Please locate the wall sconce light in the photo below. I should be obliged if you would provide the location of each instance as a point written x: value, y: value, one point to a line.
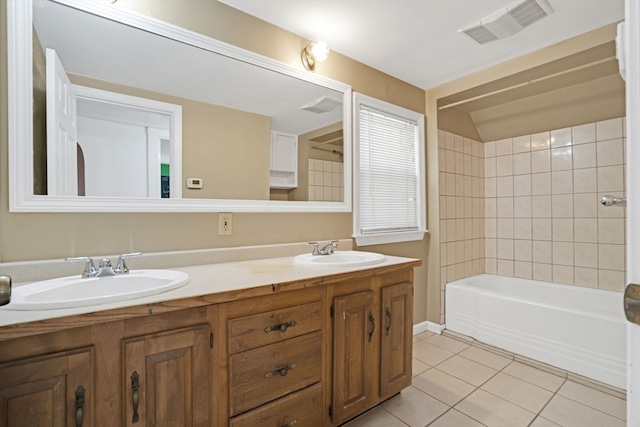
x: 314, y: 53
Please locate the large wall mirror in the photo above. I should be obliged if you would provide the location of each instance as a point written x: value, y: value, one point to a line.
x: 112, y: 111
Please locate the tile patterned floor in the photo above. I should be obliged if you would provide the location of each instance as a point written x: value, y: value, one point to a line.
x: 461, y: 383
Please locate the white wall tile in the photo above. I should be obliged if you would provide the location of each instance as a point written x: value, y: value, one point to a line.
x: 522, y: 185
x: 522, y: 207
x: 561, y: 158
x: 541, y: 206
x: 586, y: 255
x: 504, y: 165
x: 522, y: 144
x: 610, y: 152
x: 562, y: 206
x: 523, y: 269
x: 609, y: 129
x: 504, y: 186
x: 522, y: 228
x: 611, y: 230
x: 490, y: 167
x: 587, y: 277
x: 585, y: 230
x: 523, y: 250
x: 585, y: 205
x: 584, y: 133
x: 490, y: 187
x: 562, y: 274
x: 585, y: 180
x: 561, y: 137
x: 562, y: 253
x: 490, y: 149
x: 562, y: 229
x: 542, y: 272
x: 541, y: 228
x: 522, y: 163
x: 541, y: 161
x: 541, y: 251
x: 504, y: 147
x: 505, y: 249
x: 505, y: 228
x: 505, y: 268
x: 505, y: 207
x: 611, y: 280
x: 584, y: 156
x: 610, y: 178
x: 562, y: 182
x: 611, y: 257
x: 540, y: 141
x: 541, y: 183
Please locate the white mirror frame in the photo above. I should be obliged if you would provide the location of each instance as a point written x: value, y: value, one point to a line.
x: 20, y: 94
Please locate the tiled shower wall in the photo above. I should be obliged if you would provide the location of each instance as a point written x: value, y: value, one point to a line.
x: 461, y: 169
x: 529, y: 206
x: 543, y: 216
x: 325, y: 181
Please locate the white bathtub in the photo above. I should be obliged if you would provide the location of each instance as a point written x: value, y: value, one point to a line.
x: 578, y: 329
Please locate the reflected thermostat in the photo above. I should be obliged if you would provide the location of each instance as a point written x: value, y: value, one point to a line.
x: 195, y: 183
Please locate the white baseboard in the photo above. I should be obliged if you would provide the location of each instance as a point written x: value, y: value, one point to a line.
x: 427, y: 326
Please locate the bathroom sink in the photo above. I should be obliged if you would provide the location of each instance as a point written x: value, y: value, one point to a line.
x: 340, y: 259
x: 75, y: 291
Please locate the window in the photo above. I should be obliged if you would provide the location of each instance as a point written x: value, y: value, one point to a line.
x: 389, y: 195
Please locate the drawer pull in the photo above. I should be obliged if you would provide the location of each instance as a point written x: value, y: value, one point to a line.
x: 280, y: 327
x: 282, y: 371
x: 290, y: 423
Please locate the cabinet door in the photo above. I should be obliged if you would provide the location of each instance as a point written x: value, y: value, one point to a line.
x: 284, y: 152
x: 397, y: 338
x: 354, y: 341
x: 166, y: 378
x: 53, y: 390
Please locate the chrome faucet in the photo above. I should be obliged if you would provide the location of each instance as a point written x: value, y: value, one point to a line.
x: 104, y: 266
x: 328, y: 249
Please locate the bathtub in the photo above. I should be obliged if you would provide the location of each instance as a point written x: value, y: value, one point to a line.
x: 581, y: 330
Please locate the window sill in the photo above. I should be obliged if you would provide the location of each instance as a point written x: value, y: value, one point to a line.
x: 380, y: 239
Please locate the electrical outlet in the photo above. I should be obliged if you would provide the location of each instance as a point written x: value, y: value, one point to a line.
x: 224, y: 224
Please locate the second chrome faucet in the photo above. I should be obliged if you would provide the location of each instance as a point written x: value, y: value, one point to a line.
x: 328, y: 249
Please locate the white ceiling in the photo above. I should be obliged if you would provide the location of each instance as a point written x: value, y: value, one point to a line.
x: 417, y: 40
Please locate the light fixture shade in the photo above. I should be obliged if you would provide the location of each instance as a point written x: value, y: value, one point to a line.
x: 313, y: 53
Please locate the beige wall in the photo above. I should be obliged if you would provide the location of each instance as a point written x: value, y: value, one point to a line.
x: 43, y: 236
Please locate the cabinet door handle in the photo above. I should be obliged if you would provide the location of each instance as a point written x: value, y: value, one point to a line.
x: 135, y: 396
x: 290, y: 423
x: 372, y: 320
x: 80, y: 405
x: 280, y: 326
x: 281, y: 371
x: 387, y: 312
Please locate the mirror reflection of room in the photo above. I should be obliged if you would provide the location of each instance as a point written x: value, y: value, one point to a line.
x: 245, y: 132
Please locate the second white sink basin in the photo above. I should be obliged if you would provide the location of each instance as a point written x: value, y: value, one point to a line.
x: 340, y: 259
x: 75, y: 291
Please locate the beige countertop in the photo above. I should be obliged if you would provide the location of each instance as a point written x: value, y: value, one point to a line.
x: 211, y: 283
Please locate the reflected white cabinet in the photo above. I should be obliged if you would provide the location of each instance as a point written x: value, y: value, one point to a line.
x: 284, y: 161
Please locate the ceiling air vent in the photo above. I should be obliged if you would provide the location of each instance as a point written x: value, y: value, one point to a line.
x: 321, y: 105
x: 508, y: 21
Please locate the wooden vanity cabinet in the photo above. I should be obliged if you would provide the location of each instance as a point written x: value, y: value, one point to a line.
x: 371, y: 335
x: 166, y: 378
x: 275, y: 359
x: 51, y: 390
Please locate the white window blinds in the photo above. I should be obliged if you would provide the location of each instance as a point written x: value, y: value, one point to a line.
x: 389, y: 169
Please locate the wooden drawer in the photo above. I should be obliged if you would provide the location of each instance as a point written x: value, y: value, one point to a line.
x: 300, y: 409
x: 267, y: 373
x: 267, y: 328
